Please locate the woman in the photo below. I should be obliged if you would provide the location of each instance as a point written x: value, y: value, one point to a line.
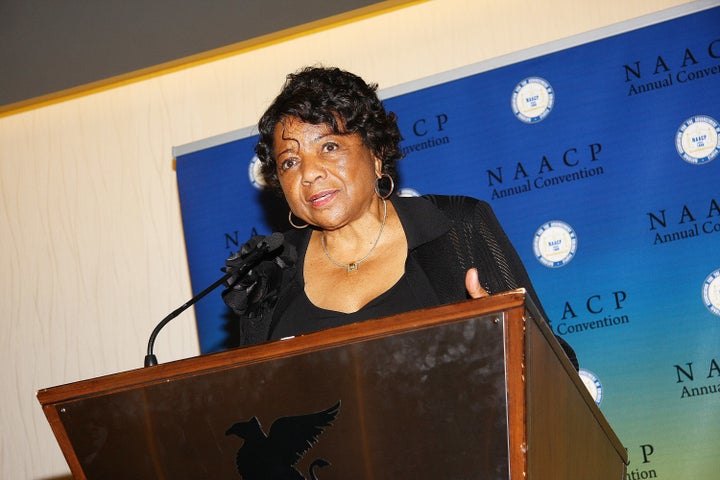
x: 358, y: 251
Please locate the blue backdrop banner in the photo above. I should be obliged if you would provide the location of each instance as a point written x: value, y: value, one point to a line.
x: 599, y: 157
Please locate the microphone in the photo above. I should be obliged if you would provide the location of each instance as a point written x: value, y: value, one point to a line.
x: 266, y: 245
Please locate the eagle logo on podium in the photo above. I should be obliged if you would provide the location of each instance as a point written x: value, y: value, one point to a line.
x: 273, y: 456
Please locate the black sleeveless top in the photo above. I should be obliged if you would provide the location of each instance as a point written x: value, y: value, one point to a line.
x: 302, y: 316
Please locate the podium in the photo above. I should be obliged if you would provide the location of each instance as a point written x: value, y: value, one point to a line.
x: 475, y: 390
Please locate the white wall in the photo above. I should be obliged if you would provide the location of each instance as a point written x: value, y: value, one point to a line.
x: 92, y: 251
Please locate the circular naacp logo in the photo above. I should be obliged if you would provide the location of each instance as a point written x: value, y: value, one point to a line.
x: 532, y: 100
x: 696, y: 140
x: 711, y: 292
x: 593, y: 384
x: 555, y: 244
x: 255, y: 175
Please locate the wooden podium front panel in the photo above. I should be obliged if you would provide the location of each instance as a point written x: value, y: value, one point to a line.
x: 423, y: 404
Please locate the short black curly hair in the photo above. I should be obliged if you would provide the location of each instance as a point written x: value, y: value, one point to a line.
x: 339, y: 99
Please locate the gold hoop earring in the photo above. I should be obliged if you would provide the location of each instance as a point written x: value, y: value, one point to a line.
x: 377, y: 186
x: 299, y: 227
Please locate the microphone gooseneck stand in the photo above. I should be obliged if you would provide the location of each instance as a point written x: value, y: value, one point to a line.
x: 267, y: 245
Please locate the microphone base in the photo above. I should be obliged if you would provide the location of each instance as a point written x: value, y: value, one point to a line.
x: 150, y: 360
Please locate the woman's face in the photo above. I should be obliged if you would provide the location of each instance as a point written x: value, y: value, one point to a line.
x: 328, y: 179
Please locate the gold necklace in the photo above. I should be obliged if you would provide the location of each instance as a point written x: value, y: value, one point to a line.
x: 352, y: 267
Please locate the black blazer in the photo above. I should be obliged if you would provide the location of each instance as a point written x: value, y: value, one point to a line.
x: 447, y: 235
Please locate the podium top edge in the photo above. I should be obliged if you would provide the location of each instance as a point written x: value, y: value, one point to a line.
x: 329, y: 338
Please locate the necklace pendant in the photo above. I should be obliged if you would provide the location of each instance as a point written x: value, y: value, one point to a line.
x: 353, y: 267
